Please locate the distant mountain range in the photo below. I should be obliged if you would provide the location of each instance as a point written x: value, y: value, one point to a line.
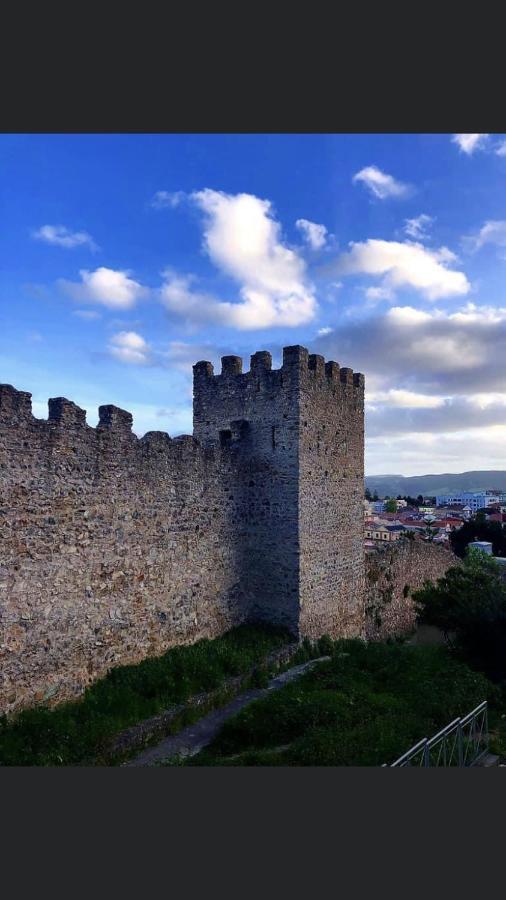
x: 429, y: 485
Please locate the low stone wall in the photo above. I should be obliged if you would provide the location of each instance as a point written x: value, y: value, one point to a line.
x: 393, y: 573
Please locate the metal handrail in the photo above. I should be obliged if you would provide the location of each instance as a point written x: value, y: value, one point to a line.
x: 478, y: 741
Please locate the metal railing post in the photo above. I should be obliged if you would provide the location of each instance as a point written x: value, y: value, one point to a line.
x: 459, y: 743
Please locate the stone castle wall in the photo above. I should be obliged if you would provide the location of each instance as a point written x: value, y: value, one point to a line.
x: 392, y: 574
x: 331, y: 491
x: 114, y: 548
x: 307, y: 421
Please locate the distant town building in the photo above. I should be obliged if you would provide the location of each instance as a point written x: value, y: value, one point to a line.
x: 475, y: 500
x: 381, y: 532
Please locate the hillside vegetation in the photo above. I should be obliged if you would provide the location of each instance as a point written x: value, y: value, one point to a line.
x: 429, y: 485
x: 365, y: 707
x: 80, y: 733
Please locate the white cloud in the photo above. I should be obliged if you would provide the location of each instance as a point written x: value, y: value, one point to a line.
x: 435, y: 395
x: 469, y: 143
x: 414, y: 453
x: 379, y: 293
x: 407, y: 316
x: 314, y: 235
x: 325, y: 330
x: 433, y: 352
x: 479, y: 315
x: 243, y: 240
x: 405, y: 265
x: 417, y: 228
x: 492, y: 232
x: 61, y: 236
x: 404, y: 399
x: 130, y: 347
x: 380, y: 184
x: 501, y: 149
x: 482, y: 401
x: 167, y: 199
x: 108, y: 287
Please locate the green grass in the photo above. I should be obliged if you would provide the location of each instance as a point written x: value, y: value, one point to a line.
x: 80, y: 732
x: 366, y: 706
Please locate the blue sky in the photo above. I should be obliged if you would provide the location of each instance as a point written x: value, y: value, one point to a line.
x: 126, y: 258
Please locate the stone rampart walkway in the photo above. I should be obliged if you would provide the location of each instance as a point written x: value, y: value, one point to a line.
x: 195, y: 737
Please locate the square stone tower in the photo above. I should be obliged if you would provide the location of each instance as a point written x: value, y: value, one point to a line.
x: 299, y: 433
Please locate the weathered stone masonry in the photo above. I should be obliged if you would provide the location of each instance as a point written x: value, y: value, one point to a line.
x: 393, y: 573
x: 113, y: 548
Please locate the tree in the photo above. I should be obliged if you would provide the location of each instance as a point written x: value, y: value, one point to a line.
x: 469, y: 605
x: 429, y: 533
x: 420, y: 499
x: 479, y: 528
x: 375, y: 496
x: 368, y: 494
x: 391, y: 506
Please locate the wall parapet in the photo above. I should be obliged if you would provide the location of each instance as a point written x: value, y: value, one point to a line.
x: 294, y: 357
x: 115, y: 547
x: 393, y: 573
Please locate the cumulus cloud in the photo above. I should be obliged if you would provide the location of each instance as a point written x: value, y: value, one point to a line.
x: 108, y: 287
x: 413, y: 453
x: 177, y: 356
x: 379, y: 293
x: 404, y: 399
x: 405, y: 265
x: 314, y: 235
x: 469, y: 143
x: 492, y: 232
x: 61, y: 236
x: 380, y: 184
x: 435, y: 395
x: 167, y: 199
x: 417, y: 228
x: 436, y: 353
x: 452, y: 415
x: 500, y: 149
x: 130, y: 347
x: 243, y: 240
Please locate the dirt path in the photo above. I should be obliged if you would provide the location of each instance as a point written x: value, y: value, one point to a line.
x: 192, y: 739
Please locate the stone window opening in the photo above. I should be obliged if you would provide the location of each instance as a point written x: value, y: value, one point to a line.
x: 225, y: 437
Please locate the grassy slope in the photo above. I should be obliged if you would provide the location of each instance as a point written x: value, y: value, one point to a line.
x: 367, y: 706
x: 77, y: 733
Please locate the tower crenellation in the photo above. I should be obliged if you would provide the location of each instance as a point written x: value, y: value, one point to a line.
x: 115, y: 547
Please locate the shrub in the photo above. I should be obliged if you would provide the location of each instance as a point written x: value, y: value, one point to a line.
x: 365, y: 706
x: 325, y: 645
x: 80, y: 732
x: 470, y: 603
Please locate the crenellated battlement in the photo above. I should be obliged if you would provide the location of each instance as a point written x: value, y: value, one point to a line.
x: 66, y: 425
x: 115, y: 547
x: 267, y: 397
x: 294, y: 358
